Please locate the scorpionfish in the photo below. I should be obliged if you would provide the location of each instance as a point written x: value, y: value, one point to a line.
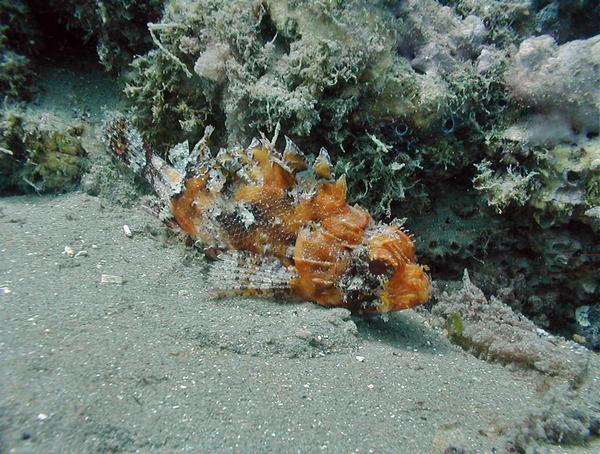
x: 277, y: 224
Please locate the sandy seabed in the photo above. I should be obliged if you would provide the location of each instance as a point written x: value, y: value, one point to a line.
x: 153, y: 364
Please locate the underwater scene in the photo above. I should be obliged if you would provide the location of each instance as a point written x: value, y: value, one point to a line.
x: 300, y: 226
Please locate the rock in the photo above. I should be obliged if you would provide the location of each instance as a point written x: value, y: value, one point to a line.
x: 588, y: 325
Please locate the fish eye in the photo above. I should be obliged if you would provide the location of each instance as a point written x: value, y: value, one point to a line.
x: 380, y: 268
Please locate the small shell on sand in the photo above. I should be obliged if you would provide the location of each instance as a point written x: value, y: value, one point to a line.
x: 111, y: 279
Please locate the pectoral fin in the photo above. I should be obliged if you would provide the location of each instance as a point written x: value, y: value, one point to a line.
x: 248, y: 274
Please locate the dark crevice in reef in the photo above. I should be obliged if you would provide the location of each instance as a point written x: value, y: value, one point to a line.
x: 55, y: 32
x: 61, y: 44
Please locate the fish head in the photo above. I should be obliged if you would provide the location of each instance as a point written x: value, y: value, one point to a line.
x: 384, y: 270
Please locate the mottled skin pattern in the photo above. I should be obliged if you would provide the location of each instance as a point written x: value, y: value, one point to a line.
x: 271, y: 206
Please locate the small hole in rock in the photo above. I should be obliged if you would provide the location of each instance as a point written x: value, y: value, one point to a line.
x: 401, y: 129
x: 419, y: 70
x: 448, y: 126
x: 572, y: 176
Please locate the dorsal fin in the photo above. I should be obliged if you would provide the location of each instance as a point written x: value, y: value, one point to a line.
x: 179, y: 156
x: 229, y: 160
x: 293, y: 156
x: 200, y: 157
x: 270, y: 146
x: 279, y: 176
x: 322, y: 166
x: 334, y: 192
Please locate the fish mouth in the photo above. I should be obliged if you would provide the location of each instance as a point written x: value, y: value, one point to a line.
x: 408, y: 287
x: 392, y: 258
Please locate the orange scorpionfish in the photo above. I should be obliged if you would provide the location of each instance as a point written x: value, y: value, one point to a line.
x: 277, y: 225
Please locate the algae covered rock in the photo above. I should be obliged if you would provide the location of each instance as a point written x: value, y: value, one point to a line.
x: 544, y: 176
x: 395, y: 90
x: 253, y: 64
x: 559, y: 81
x: 490, y: 329
x: 40, y: 156
x: 588, y: 325
x: 570, y: 183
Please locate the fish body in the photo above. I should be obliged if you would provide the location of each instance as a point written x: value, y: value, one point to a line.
x: 278, y: 226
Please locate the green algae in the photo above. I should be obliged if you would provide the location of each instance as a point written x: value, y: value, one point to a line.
x: 39, y: 158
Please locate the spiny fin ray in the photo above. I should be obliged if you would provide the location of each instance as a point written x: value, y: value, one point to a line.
x: 243, y: 273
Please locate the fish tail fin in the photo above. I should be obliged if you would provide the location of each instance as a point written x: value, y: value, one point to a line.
x: 126, y: 143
